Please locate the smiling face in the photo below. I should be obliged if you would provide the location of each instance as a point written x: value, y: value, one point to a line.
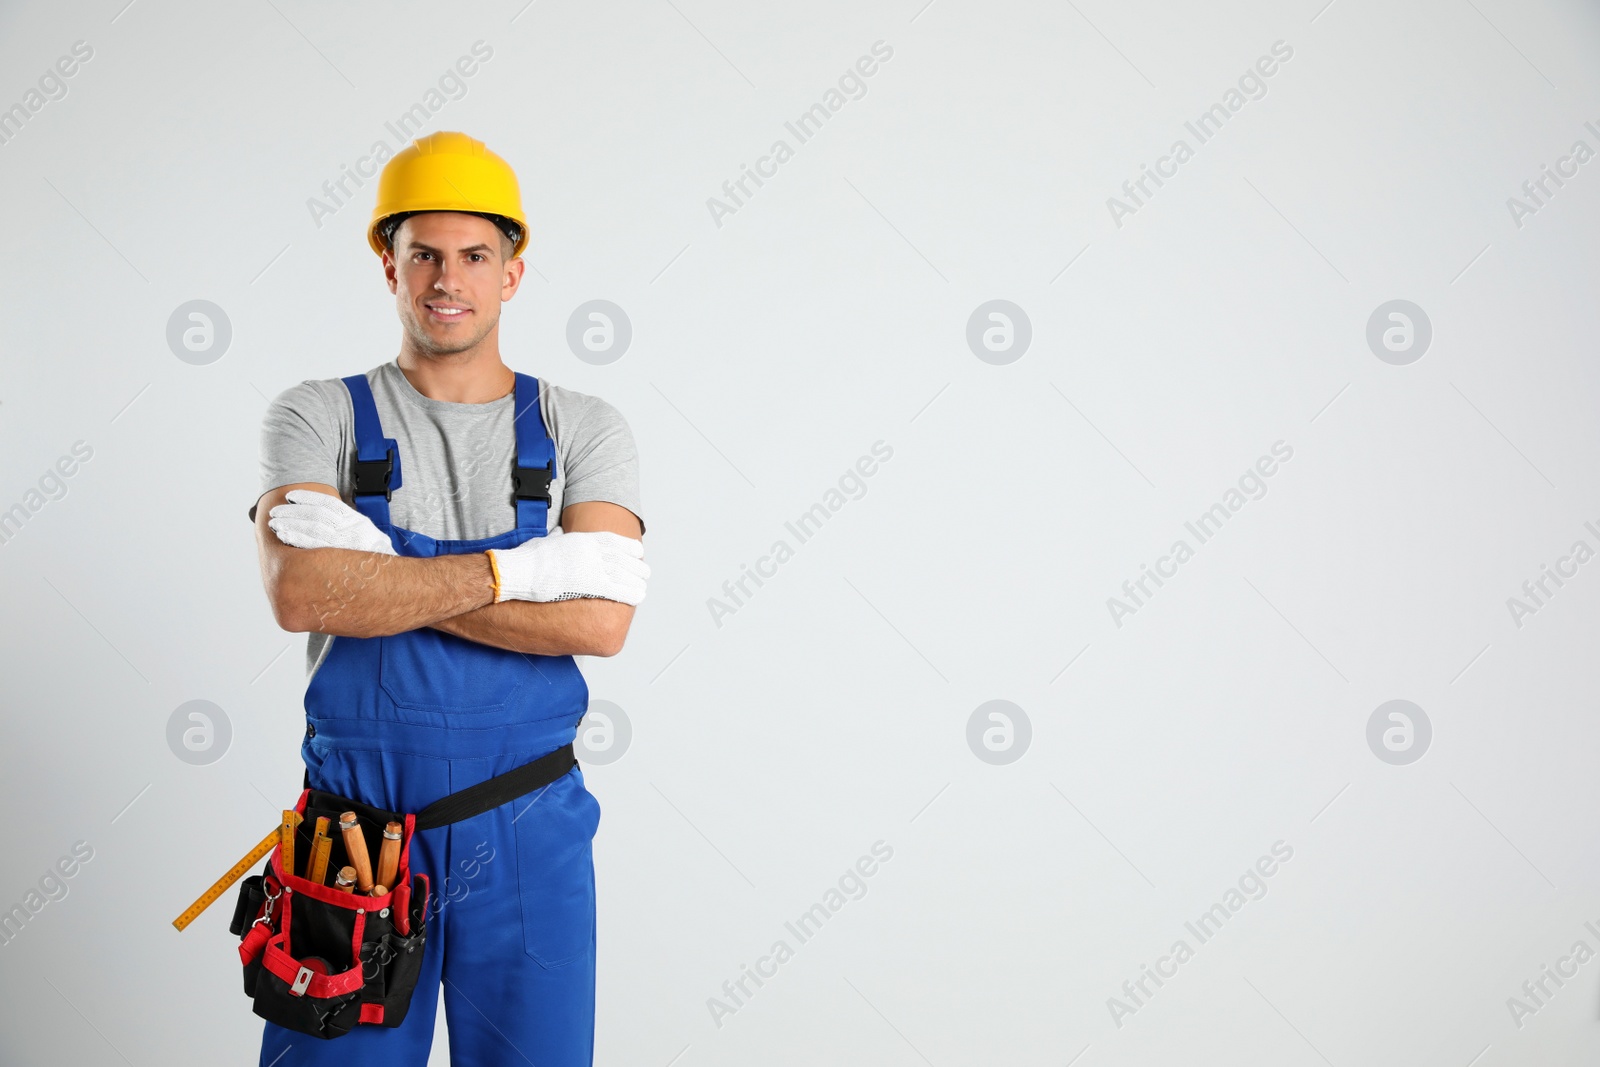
x: 449, y: 273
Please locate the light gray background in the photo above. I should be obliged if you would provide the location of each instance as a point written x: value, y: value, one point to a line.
x: 831, y: 710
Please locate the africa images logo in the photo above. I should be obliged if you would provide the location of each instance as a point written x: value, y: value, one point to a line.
x: 451, y: 85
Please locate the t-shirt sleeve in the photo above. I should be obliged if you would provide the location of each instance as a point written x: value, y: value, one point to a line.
x: 604, y: 463
x: 297, y: 441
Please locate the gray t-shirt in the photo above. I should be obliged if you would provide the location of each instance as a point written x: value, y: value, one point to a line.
x: 455, y: 459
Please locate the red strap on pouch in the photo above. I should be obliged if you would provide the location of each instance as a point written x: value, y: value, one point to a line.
x: 254, y: 942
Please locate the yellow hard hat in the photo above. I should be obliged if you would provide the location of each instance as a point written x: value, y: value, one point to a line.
x: 447, y: 172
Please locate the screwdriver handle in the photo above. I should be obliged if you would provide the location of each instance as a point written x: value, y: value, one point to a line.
x: 355, y: 847
x: 389, y: 854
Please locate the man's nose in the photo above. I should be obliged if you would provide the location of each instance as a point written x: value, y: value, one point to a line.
x: 449, y: 279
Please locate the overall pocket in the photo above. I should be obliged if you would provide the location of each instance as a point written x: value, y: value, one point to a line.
x: 429, y: 670
x: 441, y: 678
x: 555, y: 870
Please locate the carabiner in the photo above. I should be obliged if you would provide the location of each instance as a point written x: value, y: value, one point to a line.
x: 266, y: 911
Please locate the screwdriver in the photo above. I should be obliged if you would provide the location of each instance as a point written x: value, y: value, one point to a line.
x: 389, y: 854
x: 355, y: 847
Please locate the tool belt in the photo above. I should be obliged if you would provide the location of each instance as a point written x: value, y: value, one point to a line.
x: 320, y: 960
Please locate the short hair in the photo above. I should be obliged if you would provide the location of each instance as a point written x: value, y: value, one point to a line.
x: 510, y: 232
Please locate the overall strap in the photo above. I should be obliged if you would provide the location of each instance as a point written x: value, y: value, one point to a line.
x: 536, y: 460
x: 377, y: 463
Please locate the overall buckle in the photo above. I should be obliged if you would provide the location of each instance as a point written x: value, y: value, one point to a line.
x: 531, y: 483
x: 372, y: 475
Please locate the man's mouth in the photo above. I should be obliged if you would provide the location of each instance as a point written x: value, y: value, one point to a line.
x: 447, y: 312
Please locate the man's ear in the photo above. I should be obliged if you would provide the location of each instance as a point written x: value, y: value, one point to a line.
x: 512, y: 279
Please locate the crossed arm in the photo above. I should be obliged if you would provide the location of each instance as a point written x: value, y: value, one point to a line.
x: 368, y: 594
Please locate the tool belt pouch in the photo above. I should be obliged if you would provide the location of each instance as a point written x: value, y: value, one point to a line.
x: 322, y: 961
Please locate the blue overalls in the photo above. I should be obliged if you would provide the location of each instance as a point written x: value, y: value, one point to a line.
x: 398, y: 722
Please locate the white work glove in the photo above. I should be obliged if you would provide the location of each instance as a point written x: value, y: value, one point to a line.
x: 562, y: 566
x: 317, y: 520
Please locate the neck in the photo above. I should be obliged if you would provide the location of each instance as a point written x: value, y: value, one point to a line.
x: 460, y: 378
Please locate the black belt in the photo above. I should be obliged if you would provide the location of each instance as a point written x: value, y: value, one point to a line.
x: 465, y: 803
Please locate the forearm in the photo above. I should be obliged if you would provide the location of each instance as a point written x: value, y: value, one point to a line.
x: 584, y: 626
x: 367, y: 594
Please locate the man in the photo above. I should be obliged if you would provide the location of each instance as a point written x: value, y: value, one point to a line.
x: 443, y: 614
